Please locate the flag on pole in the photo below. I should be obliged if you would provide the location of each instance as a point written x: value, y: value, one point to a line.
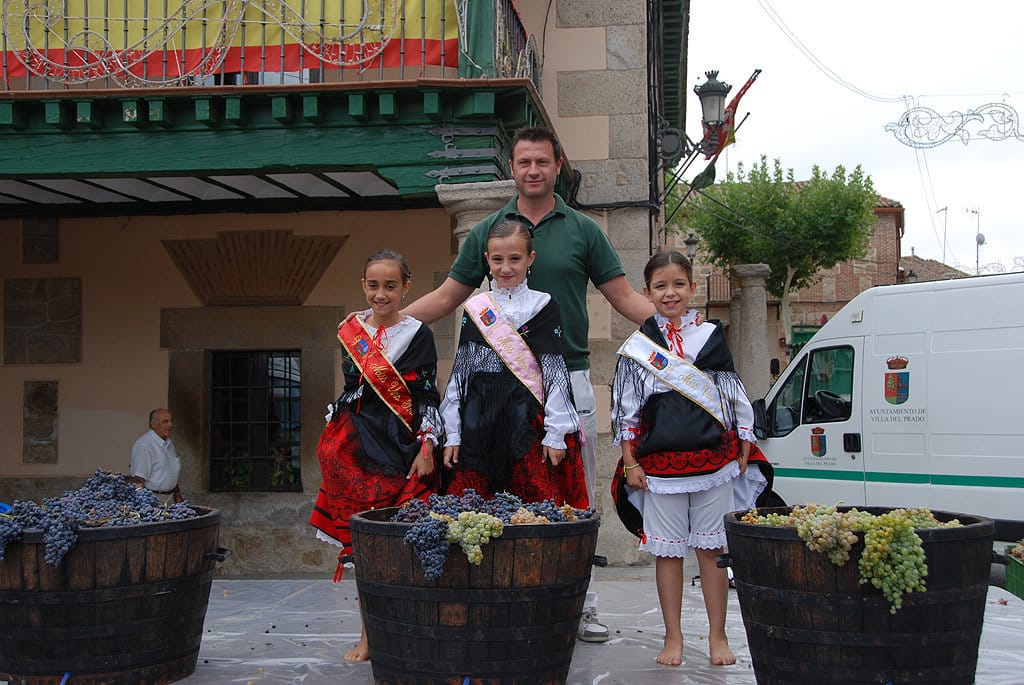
x: 725, y: 134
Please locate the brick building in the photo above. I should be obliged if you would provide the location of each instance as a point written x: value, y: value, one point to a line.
x: 813, y: 305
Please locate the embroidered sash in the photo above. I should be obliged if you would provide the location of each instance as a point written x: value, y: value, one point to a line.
x: 506, y: 341
x: 677, y: 373
x: 377, y: 369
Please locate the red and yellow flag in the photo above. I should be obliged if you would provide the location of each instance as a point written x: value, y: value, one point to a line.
x: 78, y: 40
x: 725, y: 134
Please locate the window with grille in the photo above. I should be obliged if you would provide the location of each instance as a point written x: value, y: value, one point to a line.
x: 255, y: 421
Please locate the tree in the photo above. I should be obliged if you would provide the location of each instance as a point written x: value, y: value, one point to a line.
x: 798, y: 229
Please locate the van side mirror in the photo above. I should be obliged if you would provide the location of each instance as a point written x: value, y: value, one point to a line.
x: 773, y: 367
x: 761, y: 425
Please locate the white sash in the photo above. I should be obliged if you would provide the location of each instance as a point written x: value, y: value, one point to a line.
x: 677, y: 373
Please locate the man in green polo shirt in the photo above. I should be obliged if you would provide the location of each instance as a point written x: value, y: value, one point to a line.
x: 572, y: 251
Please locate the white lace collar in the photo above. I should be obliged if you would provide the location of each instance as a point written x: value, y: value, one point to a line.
x: 687, y: 319
x: 519, y: 304
x: 509, y: 293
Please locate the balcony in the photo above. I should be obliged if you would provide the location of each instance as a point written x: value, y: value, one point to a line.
x: 272, y: 105
x: 126, y: 44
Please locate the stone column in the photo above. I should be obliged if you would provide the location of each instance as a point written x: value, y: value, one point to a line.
x: 735, y: 324
x: 469, y: 204
x: 750, y: 347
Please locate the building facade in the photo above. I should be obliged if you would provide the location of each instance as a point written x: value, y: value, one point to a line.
x: 186, y: 202
x: 811, y: 306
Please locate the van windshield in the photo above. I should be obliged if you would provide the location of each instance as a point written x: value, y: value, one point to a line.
x: 818, y: 389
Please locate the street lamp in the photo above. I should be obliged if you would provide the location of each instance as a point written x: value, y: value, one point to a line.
x: 712, y: 95
x: 675, y: 144
x: 691, y: 247
x: 717, y: 121
x: 979, y: 240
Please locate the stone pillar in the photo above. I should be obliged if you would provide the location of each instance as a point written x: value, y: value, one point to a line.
x: 469, y: 204
x: 750, y: 347
x: 735, y: 325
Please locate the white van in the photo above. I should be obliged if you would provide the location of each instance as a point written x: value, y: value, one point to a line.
x: 912, y: 395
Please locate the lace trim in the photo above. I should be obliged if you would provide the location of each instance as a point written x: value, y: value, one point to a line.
x: 675, y: 486
x: 662, y: 547
x: 707, y: 540
x: 519, y: 304
x: 320, y: 535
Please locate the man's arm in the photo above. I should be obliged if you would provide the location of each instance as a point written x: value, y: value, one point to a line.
x: 141, y: 464
x: 439, y: 302
x: 626, y: 301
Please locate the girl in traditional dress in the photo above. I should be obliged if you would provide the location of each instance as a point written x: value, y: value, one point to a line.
x: 682, y: 419
x: 378, y: 447
x: 508, y: 413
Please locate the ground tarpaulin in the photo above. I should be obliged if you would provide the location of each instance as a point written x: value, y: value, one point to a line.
x: 264, y: 631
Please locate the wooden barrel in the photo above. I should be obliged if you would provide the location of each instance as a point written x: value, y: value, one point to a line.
x: 511, y: 620
x: 126, y: 605
x: 809, y: 621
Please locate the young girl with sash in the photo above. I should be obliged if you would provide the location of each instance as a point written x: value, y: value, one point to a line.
x: 508, y: 412
x: 378, y: 447
x: 685, y: 427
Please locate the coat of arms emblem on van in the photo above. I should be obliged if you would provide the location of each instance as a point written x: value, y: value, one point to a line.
x: 897, y: 380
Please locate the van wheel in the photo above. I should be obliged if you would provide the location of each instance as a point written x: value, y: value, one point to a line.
x: 770, y: 499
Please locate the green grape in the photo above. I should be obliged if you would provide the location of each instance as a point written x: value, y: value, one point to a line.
x: 893, y: 559
x: 471, y: 530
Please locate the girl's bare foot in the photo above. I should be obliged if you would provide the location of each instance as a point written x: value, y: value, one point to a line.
x: 672, y: 653
x: 721, y: 654
x: 361, y: 652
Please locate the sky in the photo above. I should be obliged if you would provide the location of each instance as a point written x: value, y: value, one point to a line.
x: 944, y: 55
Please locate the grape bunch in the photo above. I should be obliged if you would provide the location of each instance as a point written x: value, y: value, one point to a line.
x: 104, y: 500
x: 428, y: 538
x: 473, y: 529
x: 893, y: 559
x: 10, y: 531
x: 412, y: 511
x: 829, y: 531
x: 470, y: 521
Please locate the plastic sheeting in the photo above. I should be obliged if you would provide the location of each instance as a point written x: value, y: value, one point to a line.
x: 296, y: 630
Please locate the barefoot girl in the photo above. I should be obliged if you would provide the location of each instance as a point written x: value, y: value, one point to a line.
x: 685, y: 427
x: 378, y: 447
x: 508, y: 411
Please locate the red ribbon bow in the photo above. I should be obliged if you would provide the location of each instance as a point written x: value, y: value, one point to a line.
x: 675, y: 337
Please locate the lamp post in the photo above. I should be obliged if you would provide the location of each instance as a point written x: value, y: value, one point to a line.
x: 945, y: 221
x: 712, y: 95
x: 718, y: 120
x: 691, y: 247
x: 979, y: 240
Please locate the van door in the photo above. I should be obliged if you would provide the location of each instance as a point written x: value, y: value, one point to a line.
x: 814, y: 427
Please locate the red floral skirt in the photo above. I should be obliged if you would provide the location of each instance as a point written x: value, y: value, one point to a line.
x: 534, y: 479
x: 348, y: 488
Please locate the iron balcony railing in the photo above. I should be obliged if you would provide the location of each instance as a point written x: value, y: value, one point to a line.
x: 111, y: 44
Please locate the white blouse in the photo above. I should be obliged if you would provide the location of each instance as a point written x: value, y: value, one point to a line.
x: 518, y: 305
x: 694, y: 338
x: 394, y: 341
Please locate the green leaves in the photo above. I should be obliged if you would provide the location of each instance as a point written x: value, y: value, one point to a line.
x: 764, y: 216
